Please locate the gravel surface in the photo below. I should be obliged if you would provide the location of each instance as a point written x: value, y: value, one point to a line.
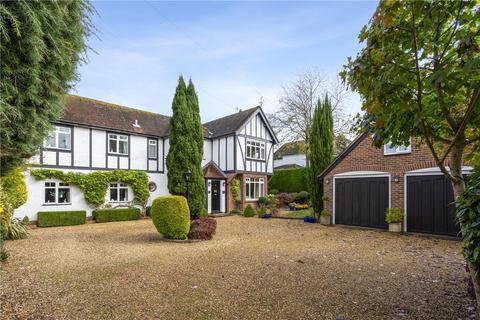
x: 252, y: 269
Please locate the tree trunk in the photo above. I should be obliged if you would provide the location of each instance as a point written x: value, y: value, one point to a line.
x: 456, y: 159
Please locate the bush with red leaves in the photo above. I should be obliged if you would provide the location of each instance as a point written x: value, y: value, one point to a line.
x: 284, y: 198
x: 202, y: 228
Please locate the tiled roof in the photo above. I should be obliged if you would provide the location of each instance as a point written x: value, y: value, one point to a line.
x: 86, y: 111
x: 229, y: 124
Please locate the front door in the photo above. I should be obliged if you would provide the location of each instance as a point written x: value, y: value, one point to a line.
x: 215, y: 195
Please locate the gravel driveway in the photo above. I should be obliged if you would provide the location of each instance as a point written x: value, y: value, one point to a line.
x: 253, y: 269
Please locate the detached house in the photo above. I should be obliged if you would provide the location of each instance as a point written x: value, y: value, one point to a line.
x: 363, y: 181
x: 94, y: 135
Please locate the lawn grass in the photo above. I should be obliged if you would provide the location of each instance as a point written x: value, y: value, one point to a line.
x: 300, y: 214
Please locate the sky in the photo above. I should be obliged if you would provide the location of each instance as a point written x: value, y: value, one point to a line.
x: 236, y: 53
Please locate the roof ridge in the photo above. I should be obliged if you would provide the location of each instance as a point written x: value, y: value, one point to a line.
x: 232, y: 114
x: 114, y: 105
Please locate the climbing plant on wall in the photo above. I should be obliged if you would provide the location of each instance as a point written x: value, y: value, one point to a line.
x: 94, y: 185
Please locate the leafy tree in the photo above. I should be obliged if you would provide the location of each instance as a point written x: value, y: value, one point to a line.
x: 41, y: 43
x: 419, y: 76
x: 185, y: 152
x: 321, y: 149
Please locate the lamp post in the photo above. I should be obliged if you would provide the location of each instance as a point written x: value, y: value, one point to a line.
x: 188, y: 178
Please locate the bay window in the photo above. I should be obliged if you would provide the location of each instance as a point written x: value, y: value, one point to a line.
x: 255, y: 150
x: 59, y: 138
x: 254, y: 188
x: 57, y: 193
x: 117, y: 143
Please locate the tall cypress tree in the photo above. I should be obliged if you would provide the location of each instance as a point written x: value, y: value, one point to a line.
x: 321, y: 149
x: 197, y: 194
x: 186, y: 147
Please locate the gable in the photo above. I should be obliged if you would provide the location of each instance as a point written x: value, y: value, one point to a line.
x: 257, y: 125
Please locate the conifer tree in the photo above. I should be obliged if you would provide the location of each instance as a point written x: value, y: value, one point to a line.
x: 41, y: 44
x: 321, y: 149
x: 186, y: 148
x: 197, y: 195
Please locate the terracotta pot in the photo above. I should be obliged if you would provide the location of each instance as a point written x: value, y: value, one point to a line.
x: 395, y: 227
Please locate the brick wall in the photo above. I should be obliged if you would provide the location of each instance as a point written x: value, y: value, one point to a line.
x: 366, y: 157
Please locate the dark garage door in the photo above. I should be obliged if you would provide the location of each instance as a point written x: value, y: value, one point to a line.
x: 430, y: 205
x: 361, y: 201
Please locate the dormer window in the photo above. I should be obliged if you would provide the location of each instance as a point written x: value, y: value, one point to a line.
x: 59, y: 138
x: 390, y: 149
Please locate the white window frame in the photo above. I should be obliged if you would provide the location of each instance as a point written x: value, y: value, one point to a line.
x: 56, y: 186
x: 408, y: 149
x: 152, y: 142
x: 118, y: 186
x: 253, y: 150
x: 258, y: 185
x: 117, y: 138
x: 55, y: 133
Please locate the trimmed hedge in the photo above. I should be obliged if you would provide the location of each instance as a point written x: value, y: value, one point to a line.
x: 289, y: 180
x: 171, y: 217
x: 110, y: 215
x: 61, y: 218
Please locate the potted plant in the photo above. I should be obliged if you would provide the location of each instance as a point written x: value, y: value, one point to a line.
x: 309, y: 219
x: 263, y: 213
x: 394, y: 218
x: 325, y: 217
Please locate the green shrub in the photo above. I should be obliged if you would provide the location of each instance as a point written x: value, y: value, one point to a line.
x: 15, y: 187
x: 394, y: 215
x: 302, y: 197
x: 61, y: 218
x: 171, y: 217
x: 325, y: 213
x: 235, y: 211
x: 263, y: 201
x: 273, y: 191
x: 16, y: 230
x: 261, y: 211
x: 203, y: 213
x: 289, y: 180
x: 249, y: 212
x: 468, y: 216
x: 123, y: 214
x: 26, y: 221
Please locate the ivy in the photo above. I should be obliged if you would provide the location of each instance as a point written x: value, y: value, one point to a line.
x: 95, y: 184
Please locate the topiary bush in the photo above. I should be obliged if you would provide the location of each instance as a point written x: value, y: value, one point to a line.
x: 289, y: 180
x: 111, y: 215
x: 249, y: 212
x: 263, y: 201
x: 171, y: 217
x: 61, y: 218
x: 202, y: 228
x: 302, y: 197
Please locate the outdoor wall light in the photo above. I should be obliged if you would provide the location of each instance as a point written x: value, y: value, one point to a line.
x: 327, y: 181
x: 396, y: 179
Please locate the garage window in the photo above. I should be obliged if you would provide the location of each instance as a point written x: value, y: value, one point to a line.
x: 390, y: 149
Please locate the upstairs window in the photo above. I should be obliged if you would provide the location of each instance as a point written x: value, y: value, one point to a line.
x: 152, y: 149
x: 59, y: 138
x: 390, y: 149
x: 255, y: 150
x: 117, y: 143
x: 118, y: 192
x: 57, y: 193
x: 254, y: 188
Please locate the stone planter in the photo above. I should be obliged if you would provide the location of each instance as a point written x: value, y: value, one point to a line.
x: 395, y: 227
x: 325, y: 220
